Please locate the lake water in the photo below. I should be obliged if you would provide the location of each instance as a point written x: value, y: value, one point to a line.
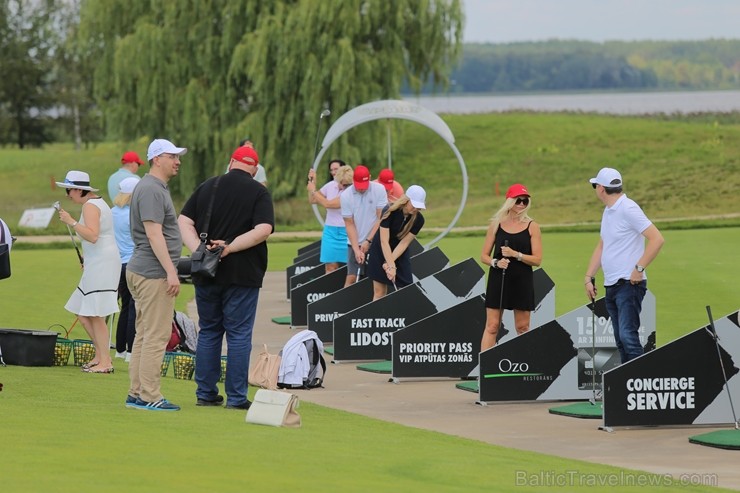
x: 636, y: 103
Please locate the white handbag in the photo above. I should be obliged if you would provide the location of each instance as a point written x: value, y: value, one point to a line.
x: 274, y: 408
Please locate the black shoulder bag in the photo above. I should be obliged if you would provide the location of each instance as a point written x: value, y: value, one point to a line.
x: 4, y: 253
x: 204, y: 261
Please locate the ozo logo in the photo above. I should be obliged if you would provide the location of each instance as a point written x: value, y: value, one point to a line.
x: 507, y: 366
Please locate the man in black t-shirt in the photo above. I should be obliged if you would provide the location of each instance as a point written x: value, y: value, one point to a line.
x: 241, y: 220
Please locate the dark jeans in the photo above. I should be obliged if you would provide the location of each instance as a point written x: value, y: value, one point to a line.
x: 223, y: 310
x: 126, y: 328
x: 624, y: 304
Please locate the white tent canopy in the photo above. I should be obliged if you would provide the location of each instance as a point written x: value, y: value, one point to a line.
x: 395, y: 109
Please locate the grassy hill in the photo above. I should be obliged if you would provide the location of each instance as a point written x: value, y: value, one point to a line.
x: 675, y: 167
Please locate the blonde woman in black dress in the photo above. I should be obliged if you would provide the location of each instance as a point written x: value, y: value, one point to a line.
x: 512, y: 247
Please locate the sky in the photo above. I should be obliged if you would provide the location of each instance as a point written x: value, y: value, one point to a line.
x: 504, y: 21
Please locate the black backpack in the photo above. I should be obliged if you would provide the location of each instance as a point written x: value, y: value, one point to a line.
x: 316, y: 371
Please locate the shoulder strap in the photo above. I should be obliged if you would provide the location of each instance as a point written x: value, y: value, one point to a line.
x: 204, y: 233
x: 2, y: 233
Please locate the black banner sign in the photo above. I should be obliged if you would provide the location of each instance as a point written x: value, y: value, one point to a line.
x: 312, y: 291
x: 307, y: 276
x: 316, y: 245
x: 680, y: 383
x: 307, y: 263
x: 525, y: 367
x: 443, y: 345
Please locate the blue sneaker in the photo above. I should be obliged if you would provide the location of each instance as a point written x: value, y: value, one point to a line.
x: 130, y: 401
x: 160, y: 405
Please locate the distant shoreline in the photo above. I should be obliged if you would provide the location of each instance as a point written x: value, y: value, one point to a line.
x: 613, y: 103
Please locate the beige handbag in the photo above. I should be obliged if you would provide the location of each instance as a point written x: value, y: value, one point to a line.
x: 264, y: 371
x: 274, y: 408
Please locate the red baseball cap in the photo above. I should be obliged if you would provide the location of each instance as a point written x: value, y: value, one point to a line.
x: 516, y: 190
x: 246, y: 155
x: 131, y: 157
x: 386, y: 178
x: 361, y: 177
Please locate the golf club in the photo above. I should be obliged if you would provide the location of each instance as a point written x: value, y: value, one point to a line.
x: 58, y: 207
x: 593, y: 349
x: 713, y: 333
x: 503, y: 278
x: 324, y: 113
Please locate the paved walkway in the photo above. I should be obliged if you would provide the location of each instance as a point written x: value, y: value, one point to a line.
x: 440, y: 406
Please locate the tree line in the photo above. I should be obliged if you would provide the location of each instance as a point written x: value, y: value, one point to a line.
x: 580, y: 65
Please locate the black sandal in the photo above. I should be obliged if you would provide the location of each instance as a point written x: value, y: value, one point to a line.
x: 89, y: 365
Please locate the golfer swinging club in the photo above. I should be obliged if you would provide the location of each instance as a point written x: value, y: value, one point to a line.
x: 513, y: 245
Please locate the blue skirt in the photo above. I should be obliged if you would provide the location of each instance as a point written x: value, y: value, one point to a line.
x: 334, y: 244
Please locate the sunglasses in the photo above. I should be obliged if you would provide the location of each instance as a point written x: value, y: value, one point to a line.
x: 522, y: 200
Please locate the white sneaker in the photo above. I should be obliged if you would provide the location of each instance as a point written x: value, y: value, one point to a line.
x: 120, y: 355
x: 128, y: 357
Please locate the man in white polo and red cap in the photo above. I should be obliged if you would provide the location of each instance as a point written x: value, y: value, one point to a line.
x: 623, y: 256
x: 151, y: 274
x: 361, y: 205
x: 130, y: 162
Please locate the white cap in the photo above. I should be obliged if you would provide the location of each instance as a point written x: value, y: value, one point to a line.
x: 607, y: 177
x: 77, y: 179
x: 127, y: 185
x: 417, y: 196
x: 162, y: 146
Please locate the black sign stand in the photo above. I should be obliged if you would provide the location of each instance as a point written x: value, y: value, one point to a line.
x: 321, y: 313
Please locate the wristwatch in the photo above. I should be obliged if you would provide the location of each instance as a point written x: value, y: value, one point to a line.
x: 639, y: 268
x: 495, y: 263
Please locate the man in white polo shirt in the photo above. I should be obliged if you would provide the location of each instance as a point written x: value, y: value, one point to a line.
x: 361, y: 205
x: 623, y: 256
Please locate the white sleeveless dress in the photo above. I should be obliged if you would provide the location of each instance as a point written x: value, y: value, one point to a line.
x: 97, y: 293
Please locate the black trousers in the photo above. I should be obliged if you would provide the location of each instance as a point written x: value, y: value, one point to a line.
x: 126, y: 328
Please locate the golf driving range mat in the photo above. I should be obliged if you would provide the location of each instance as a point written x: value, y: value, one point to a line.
x: 469, y: 386
x: 376, y: 367
x: 282, y: 320
x: 726, y: 439
x: 584, y: 410
x: 329, y: 349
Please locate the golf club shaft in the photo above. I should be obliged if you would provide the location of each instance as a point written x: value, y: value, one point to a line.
x: 593, y: 352
x: 74, y: 243
x: 318, y: 129
x: 501, y: 297
x: 722, y: 364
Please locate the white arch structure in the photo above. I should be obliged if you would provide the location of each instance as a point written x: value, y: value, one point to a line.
x: 397, y: 109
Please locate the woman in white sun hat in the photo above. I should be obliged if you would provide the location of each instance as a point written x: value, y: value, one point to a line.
x: 96, y: 294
